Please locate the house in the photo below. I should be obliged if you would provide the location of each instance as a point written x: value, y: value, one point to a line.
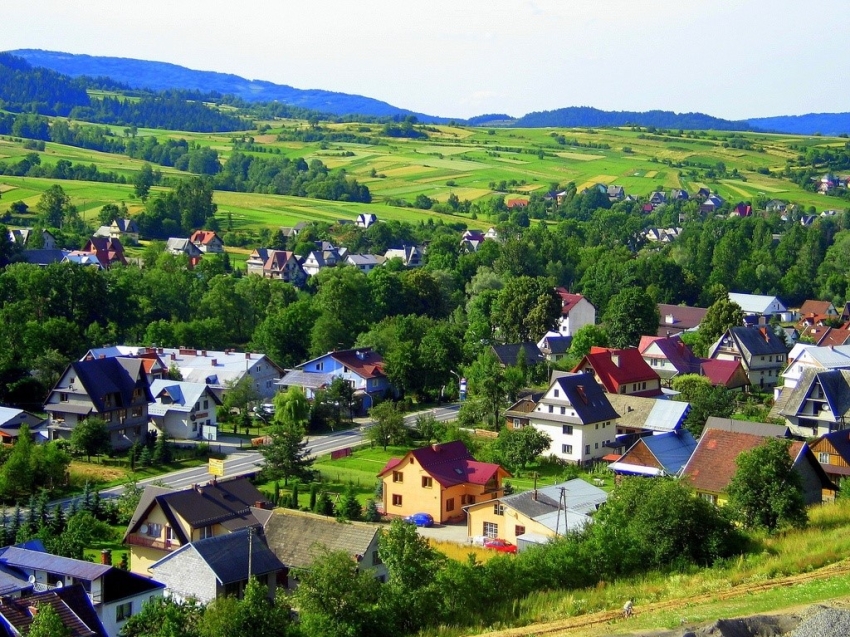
x: 82, y: 258
x: 776, y: 205
x: 576, y: 312
x: 818, y: 404
x: 184, y: 410
x: 11, y: 421
x: 166, y: 519
x: 298, y: 538
x: 24, y: 235
x: 366, y: 219
x: 152, y: 364
x: 679, y: 194
x: 362, y: 368
x: 723, y: 373
x: 320, y: 259
x: 811, y: 312
x: 115, y: 594
x: 833, y: 453
x: 218, y: 369
x: 126, y: 229
x: 668, y: 356
x: 439, y: 479
x: 657, y: 199
x: 536, y: 516
x: 515, y: 203
x: 554, y: 346
x: 714, y: 462
x: 616, y: 193
x: 108, y: 251
x: 675, y: 319
x: 621, y: 371
x: 207, y: 241
x: 510, y: 354
x: 364, y: 262
x: 411, y: 256
x: 805, y: 355
x: 491, y: 233
x: 44, y: 257
x: 759, y: 349
x: 764, y: 429
x: 178, y: 246
x: 808, y: 220
x: 742, y: 210
x: 576, y: 414
x: 219, y: 566
x: 70, y: 603
x: 114, y: 389
x: 711, y: 204
x: 758, y: 304
x: 516, y: 416
x: 639, y: 415
x: 663, y: 454
x: 276, y: 264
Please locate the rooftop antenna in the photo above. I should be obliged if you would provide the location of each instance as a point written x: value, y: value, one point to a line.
x: 250, y: 550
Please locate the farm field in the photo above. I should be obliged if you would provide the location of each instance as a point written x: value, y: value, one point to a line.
x: 469, y: 162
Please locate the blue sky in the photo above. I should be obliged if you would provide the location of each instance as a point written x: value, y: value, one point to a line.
x: 458, y: 58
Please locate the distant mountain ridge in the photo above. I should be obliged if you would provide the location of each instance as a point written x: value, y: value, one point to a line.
x: 163, y: 75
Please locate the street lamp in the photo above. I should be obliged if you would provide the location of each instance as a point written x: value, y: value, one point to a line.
x: 461, y: 382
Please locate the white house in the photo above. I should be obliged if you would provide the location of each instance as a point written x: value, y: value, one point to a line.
x: 758, y: 304
x: 576, y: 312
x: 366, y: 219
x: 577, y: 415
x: 184, y: 410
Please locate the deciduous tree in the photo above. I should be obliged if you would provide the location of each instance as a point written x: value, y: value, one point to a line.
x: 90, y: 437
x: 631, y: 314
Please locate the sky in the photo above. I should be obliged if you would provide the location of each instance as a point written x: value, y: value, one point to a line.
x: 458, y: 58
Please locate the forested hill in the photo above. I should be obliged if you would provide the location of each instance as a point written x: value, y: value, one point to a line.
x: 823, y: 123
x: 587, y: 116
x: 162, y: 76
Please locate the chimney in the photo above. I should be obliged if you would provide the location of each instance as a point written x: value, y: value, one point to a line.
x: 173, y: 356
x: 435, y: 447
x: 247, y: 355
x: 33, y: 610
x: 160, y: 350
x: 197, y: 487
x: 615, y: 358
x: 106, y: 557
x: 214, y: 362
x: 203, y: 352
x: 534, y: 495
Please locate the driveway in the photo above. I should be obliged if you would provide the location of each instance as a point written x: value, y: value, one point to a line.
x: 446, y: 533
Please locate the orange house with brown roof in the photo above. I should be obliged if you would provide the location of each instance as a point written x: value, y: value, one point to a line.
x: 440, y: 480
x: 207, y: 241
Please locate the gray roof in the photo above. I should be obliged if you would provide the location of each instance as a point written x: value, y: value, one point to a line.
x: 43, y: 256
x: 299, y: 538
x: 11, y: 420
x: 766, y: 430
x: 654, y: 414
x: 227, y: 556
x: 183, y: 396
x: 754, y: 303
x: 102, y: 376
x: 582, y: 498
x: 38, y: 561
x: 508, y: 354
x: 753, y: 341
x: 300, y: 378
x: 835, y: 384
x: 586, y: 396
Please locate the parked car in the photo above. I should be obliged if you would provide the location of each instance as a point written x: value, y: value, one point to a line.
x: 497, y: 544
x: 420, y: 519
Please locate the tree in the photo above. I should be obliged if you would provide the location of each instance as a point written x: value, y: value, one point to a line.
x: 766, y: 492
x: 721, y: 315
x: 287, y: 455
x: 53, y: 206
x: 519, y: 447
x: 340, y: 395
x: 388, y: 427
x: 164, y: 617
x: 586, y: 337
x: 335, y: 598
x: 486, y: 380
x: 143, y: 180
x: 240, y: 394
x: 526, y: 308
x: 91, y: 437
x: 411, y: 594
x: 47, y: 623
x: 630, y: 314
x: 254, y: 614
x: 349, y: 508
x: 705, y: 400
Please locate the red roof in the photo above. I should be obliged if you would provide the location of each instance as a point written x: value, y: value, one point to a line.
x: 516, y: 203
x: 450, y: 464
x: 203, y: 236
x: 568, y: 300
x: 617, y: 367
x: 721, y: 372
x: 363, y: 362
x: 818, y: 308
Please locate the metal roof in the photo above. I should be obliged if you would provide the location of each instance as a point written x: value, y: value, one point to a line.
x: 38, y: 561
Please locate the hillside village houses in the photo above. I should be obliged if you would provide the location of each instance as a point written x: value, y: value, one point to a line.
x: 759, y: 349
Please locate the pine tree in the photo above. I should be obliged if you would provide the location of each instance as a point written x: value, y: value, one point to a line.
x: 314, y: 493
x: 31, y: 526
x: 161, y: 450
x: 372, y: 514
x: 294, y: 504
x: 349, y: 508
x: 57, y: 521
x: 16, y: 523
x: 86, y: 503
x: 96, y: 505
x: 43, y: 512
x: 145, y: 458
x: 4, y: 530
x: 324, y: 505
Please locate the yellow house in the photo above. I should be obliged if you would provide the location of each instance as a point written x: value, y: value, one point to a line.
x: 166, y: 519
x: 535, y: 516
x: 440, y: 480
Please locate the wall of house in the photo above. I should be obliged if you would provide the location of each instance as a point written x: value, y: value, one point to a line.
x: 641, y: 455
x: 812, y: 485
x: 506, y: 523
x: 583, y: 313
x: 586, y: 440
x: 414, y: 497
x: 108, y: 613
x: 141, y: 557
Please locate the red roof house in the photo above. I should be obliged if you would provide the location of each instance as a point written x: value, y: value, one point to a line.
x: 207, y: 241
x: 440, y: 480
x: 108, y: 251
x: 621, y: 371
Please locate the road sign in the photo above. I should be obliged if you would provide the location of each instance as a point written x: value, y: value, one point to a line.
x: 216, y: 467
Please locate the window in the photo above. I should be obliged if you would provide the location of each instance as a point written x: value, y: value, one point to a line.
x: 398, y: 476
x: 467, y: 499
x: 169, y: 534
x: 123, y: 611
x: 587, y: 449
x: 206, y: 532
x: 517, y: 423
x: 519, y: 530
x: 563, y: 410
x: 491, y: 529
x: 375, y: 558
x: 597, y: 425
x: 154, y: 530
x: 427, y: 482
x: 450, y: 504
x: 643, y: 386
x: 107, y: 416
x: 194, y: 426
x: 320, y: 366
x: 823, y: 457
x: 498, y: 509
x: 708, y: 497
x: 206, y: 404
x: 551, y: 409
x: 597, y: 446
x: 567, y: 430
x: 122, y: 415
x: 568, y: 449
x: 137, y: 412
x: 63, y: 397
x: 396, y: 500
x: 557, y: 393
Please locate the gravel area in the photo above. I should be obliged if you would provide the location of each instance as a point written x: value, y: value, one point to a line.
x: 826, y: 622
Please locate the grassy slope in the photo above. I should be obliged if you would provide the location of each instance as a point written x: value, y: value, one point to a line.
x: 464, y: 156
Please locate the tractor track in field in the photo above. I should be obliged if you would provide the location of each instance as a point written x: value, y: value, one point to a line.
x: 567, y: 626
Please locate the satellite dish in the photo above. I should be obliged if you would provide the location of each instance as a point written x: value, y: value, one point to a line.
x: 31, y: 579
x: 144, y: 528
x: 59, y: 584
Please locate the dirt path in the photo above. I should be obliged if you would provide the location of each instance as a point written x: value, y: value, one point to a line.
x: 595, y: 623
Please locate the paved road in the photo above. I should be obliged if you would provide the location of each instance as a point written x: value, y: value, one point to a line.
x: 250, y: 461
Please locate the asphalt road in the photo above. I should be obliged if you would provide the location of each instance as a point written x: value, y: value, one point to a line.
x: 245, y: 462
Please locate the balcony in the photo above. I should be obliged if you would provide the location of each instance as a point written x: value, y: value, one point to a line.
x: 138, y: 539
